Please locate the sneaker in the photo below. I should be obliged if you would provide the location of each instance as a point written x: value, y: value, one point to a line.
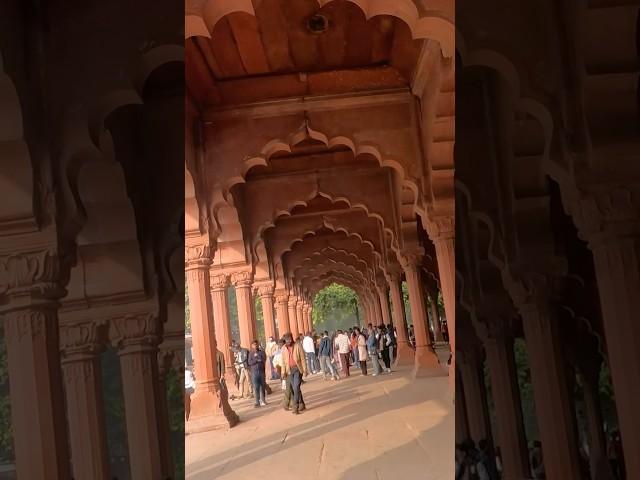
x: 374, y: 374
x: 295, y: 411
x: 263, y: 404
x: 256, y: 405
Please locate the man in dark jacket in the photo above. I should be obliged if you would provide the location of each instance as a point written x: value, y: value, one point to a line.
x: 256, y: 361
x: 325, y: 354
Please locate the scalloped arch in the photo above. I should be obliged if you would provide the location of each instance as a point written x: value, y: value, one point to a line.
x: 435, y: 27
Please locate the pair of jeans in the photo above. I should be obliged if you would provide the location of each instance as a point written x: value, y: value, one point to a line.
x: 326, y: 365
x: 243, y: 383
x: 344, y: 359
x: 373, y: 353
x: 274, y: 372
x: 356, y: 358
x: 386, y: 359
x: 257, y: 379
x: 391, y: 350
x: 311, y: 361
x: 296, y: 380
x: 363, y: 366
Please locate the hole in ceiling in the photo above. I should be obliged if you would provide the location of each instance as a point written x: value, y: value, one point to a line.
x: 318, y: 23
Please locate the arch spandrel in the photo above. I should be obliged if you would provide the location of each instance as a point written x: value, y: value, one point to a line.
x: 327, y: 258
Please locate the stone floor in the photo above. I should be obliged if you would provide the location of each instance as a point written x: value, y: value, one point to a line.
x: 360, y: 428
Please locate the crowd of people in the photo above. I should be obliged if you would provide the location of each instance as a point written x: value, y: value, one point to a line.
x: 291, y: 360
x: 482, y: 462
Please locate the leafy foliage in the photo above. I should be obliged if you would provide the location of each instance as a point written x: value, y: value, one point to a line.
x: 336, y: 306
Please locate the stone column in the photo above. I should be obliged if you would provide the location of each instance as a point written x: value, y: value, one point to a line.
x: 426, y: 361
x: 405, y: 352
x: 506, y: 398
x: 383, y: 296
x: 137, y: 342
x: 165, y: 360
x: 616, y: 255
x: 29, y: 311
x: 376, y: 309
x: 222, y: 322
x: 442, y: 234
x: 282, y: 299
x: 435, y: 316
x: 475, y: 394
x: 554, y: 403
x: 293, y: 313
x: 266, y: 297
x: 243, y: 283
x: 300, y: 316
x: 209, y: 404
x: 598, y: 460
x: 81, y: 344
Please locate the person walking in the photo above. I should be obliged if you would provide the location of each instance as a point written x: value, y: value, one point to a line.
x: 361, y: 351
x: 353, y: 339
x: 372, y: 350
x: 294, y: 367
x: 242, y: 370
x: 270, y: 351
x: 256, y: 362
x: 189, y: 388
x: 344, y: 348
x: 392, y: 341
x: 277, y: 356
x: 310, y: 353
x: 324, y: 353
x: 383, y: 346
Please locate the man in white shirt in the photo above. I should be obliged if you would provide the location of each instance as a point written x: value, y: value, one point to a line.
x: 344, y: 348
x: 270, y: 351
x: 309, y: 352
x: 189, y: 388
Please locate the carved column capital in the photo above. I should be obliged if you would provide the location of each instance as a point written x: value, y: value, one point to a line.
x: 281, y: 296
x: 82, y: 339
x: 242, y: 278
x: 136, y: 331
x: 197, y: 256
x: 293, y: 301
x: 441, y: 228
x: 411, y: 258
x: 265, y: 291
x: 218, y: 281
x: 30, y: 272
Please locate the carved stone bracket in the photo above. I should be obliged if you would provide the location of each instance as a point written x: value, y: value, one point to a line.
x: 197, y: 256
x: 411, y: 257
x: 83, y: 339
x: 137, y: 332
x: 30, y: 272
x: 440, y: 228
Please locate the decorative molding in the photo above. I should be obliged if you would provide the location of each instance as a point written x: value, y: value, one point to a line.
x: 136, y: 330
x: 441, y: 228
x: 265, y: 290
x: 197, y: 256
x: 30, y: 322
x: 411, y: 258
x: 82, y: 338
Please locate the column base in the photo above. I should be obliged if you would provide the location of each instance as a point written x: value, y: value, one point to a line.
x: 210, y: 411
x: 406, y: 355
x: 426, y: 364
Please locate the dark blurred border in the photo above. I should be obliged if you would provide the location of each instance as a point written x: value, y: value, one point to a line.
x: 91, y: 239
x: 548, y: 238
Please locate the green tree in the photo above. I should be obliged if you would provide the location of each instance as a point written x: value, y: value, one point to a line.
x: 336, y: 306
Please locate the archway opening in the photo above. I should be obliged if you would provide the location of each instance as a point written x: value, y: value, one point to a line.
x: 336, y: 306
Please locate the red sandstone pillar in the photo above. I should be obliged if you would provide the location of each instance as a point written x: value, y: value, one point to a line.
x: 377, y: 310
x: 266, y: 297
x: 222, y: 321
x: 554, y: 402
x: 209, y: 405
x: 617, y: 260
x: 138, y: 337
x: 282, y: 312
x: 293, y: 322
x: 405, y: 352
x: 598, y: 459
x: 81, y: 348
x: 435, y: 317
x: 475, y: 396
x: 426, y: 362
x: 243, y: 281
x: 300, y: 317
x: 383, y: 296
x: 506, y: 398
x: 31, y: 336
x: 442, y: 234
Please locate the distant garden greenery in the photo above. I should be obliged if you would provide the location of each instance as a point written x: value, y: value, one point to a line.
x: 336, y: 306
